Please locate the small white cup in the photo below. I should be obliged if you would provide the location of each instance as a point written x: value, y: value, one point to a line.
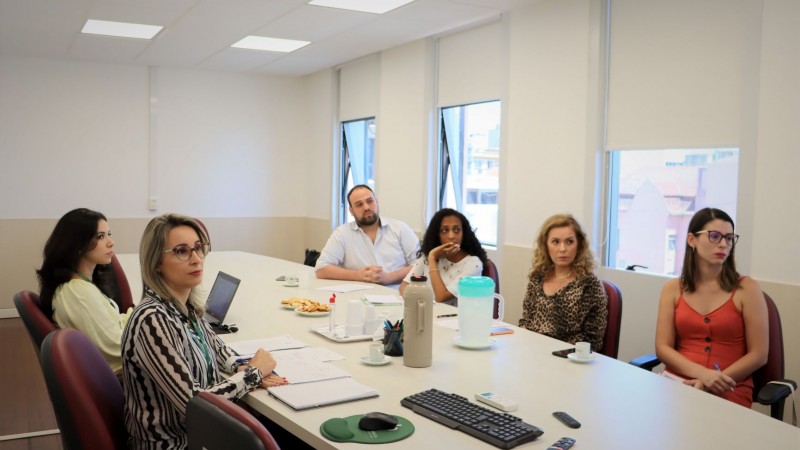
x: 304, y: 277
x: 291, y: 280
x: 376, y: 351
x: 583, y: 349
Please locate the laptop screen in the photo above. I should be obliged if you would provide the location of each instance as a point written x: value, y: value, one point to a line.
x: 220, y: 297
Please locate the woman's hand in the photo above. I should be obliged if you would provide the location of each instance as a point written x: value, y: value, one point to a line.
x: 273, y: 380
x: 263, y: 361
x: 444, y: 250
x: 713, y: 381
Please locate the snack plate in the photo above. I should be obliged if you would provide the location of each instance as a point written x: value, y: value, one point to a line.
x: 312, y: 314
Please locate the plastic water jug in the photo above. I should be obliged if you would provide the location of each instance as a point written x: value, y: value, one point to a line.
x: 418, y: 323
x: 475, y: 309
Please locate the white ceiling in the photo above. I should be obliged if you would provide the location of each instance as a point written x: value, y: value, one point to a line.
x: 199, y: 33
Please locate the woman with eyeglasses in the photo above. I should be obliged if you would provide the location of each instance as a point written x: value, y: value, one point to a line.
x: 450, y: 251
x: 712, y: 329
x: 76, y: 281
x: 169, y: 352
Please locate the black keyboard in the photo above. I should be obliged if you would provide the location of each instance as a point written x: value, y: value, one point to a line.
x: 499, y: 429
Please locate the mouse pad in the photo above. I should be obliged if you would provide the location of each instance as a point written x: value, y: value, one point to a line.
x: 346, y: 430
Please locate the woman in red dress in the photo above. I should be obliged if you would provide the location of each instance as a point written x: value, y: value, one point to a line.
x: 712, y: 328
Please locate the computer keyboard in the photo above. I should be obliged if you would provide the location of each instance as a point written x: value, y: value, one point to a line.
x: 499, y: 429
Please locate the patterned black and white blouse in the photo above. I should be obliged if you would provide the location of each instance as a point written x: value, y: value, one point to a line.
x: 576, y: 313
x: 166, y: 360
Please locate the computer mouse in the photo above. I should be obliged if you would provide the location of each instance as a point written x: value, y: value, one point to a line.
x: 375, y: 421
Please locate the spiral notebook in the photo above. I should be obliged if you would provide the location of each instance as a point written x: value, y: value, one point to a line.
x: 321, y: 393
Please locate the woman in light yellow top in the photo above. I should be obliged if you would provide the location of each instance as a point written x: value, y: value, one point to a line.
x: 76, y: 264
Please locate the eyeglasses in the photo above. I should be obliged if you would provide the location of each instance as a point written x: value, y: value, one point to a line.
x: 183, y: 252
x: 715, y: 236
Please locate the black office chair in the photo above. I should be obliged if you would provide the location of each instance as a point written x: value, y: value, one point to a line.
x: 311, y: 257
x: 216, y: 423
x: 765, y: 391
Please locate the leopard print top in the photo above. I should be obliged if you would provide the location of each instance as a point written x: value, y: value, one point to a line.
x: 576, y: 313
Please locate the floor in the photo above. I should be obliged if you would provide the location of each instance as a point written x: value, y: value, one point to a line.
x: 24, y: 404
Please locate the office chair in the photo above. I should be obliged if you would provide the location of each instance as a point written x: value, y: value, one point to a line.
x: 764, y: 391
x: 490, y: 270
x: 123, y: 288
x: 613, y: 321
x: 87, y: 397
x: 215, y: 423
x: 311, y: 257
x: 37, y: 323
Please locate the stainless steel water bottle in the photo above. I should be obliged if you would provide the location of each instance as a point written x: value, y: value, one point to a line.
x: 418, y: 323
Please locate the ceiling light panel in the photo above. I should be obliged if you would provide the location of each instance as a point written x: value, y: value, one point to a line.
x: 269, y: 44
x: 120, y: 29
x: 369, y: 6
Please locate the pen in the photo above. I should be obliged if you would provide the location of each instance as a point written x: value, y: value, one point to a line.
x: 446, y: 315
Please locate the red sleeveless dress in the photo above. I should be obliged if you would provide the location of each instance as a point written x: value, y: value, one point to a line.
x: 716, y: 337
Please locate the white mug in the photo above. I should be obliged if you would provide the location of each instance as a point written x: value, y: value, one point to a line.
x: 583, y: 349
x: 376, y: 351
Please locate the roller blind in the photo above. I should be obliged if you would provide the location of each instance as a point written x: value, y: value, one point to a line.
x: 359, y: 84
x: 678, y: 71
x: 470, y: 65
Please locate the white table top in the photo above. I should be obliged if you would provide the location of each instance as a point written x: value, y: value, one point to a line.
x: 620, y: 406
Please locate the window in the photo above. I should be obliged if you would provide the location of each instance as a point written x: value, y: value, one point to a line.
x: 652, y: 197
x: 469, y: 165
x: 358, y: 160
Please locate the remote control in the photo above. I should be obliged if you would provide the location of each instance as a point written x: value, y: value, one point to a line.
x: 496, y: 401
x: 567, y: 419
x: 562, y: 444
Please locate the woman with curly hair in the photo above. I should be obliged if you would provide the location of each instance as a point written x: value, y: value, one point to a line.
x: 564, y: 300
x: 450, y: 251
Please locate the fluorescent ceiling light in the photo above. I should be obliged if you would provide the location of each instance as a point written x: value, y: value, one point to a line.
x: 120, y: 29
x: 370, y: 6
x: 269, y: 44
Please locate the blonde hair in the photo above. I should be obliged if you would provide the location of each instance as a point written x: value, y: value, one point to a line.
x: 584, y: 260
x: 151, y: 253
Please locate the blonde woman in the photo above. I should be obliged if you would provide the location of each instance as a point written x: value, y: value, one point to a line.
x: 564, y: 300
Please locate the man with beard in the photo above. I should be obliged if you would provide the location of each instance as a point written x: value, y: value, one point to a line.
x: 372, y: 248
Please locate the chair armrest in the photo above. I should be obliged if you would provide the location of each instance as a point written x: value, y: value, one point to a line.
x: 773, y: 392
x: 646, y: 362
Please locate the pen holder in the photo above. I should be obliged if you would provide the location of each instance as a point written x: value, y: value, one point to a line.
x: 393, y: 342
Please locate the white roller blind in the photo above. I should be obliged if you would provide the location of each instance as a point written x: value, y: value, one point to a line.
x: 471, y: 65
x: 359, y: 89
x: 678, y: 71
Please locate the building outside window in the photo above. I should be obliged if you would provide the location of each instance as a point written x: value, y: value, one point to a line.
x: 469, y: 163
x: 652, y: 197
x: 358, y: 160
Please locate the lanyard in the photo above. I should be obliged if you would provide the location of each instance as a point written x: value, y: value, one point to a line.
x: 199, y: 339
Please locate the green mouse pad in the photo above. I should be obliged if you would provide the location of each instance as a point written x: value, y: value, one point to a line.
x: 346, y: 430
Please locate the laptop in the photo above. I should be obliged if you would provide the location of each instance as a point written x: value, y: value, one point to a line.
x: 219, y: 301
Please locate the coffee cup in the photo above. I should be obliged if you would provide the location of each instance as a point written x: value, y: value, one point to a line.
x: 583, y: 350
x: 376, y: 352
x: 291, y: 280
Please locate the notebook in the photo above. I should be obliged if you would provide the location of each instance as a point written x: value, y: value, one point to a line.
x: 321, y: 393
x: 219, y: 301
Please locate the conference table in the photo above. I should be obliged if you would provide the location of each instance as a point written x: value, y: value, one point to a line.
x: 619, y: 406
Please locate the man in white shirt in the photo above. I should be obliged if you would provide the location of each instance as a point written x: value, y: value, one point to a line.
x: 372, y: 248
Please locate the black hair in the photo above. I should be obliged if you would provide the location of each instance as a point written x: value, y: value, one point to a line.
x: 358, y: 186
x: 74, y: 234
x: 469, y: 241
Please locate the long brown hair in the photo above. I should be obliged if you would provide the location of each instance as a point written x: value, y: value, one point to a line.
x: 729, y: 277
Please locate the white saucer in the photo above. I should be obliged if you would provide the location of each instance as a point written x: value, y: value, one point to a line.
x: 369, y: 362
x: 574, y: 358
x: 489, y: 343
x: 291, y: 285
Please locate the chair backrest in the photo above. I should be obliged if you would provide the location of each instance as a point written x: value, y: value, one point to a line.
x: 123, y: 287
x: 87, y: 397
x: 37, y: 323
x: 490, y: 270
x: 215, y: 423
x: 311, y: 257
x: 773, y: 369
x: 613, y: 321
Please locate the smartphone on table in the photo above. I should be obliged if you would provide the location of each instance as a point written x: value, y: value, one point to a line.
x: 564, y: 353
